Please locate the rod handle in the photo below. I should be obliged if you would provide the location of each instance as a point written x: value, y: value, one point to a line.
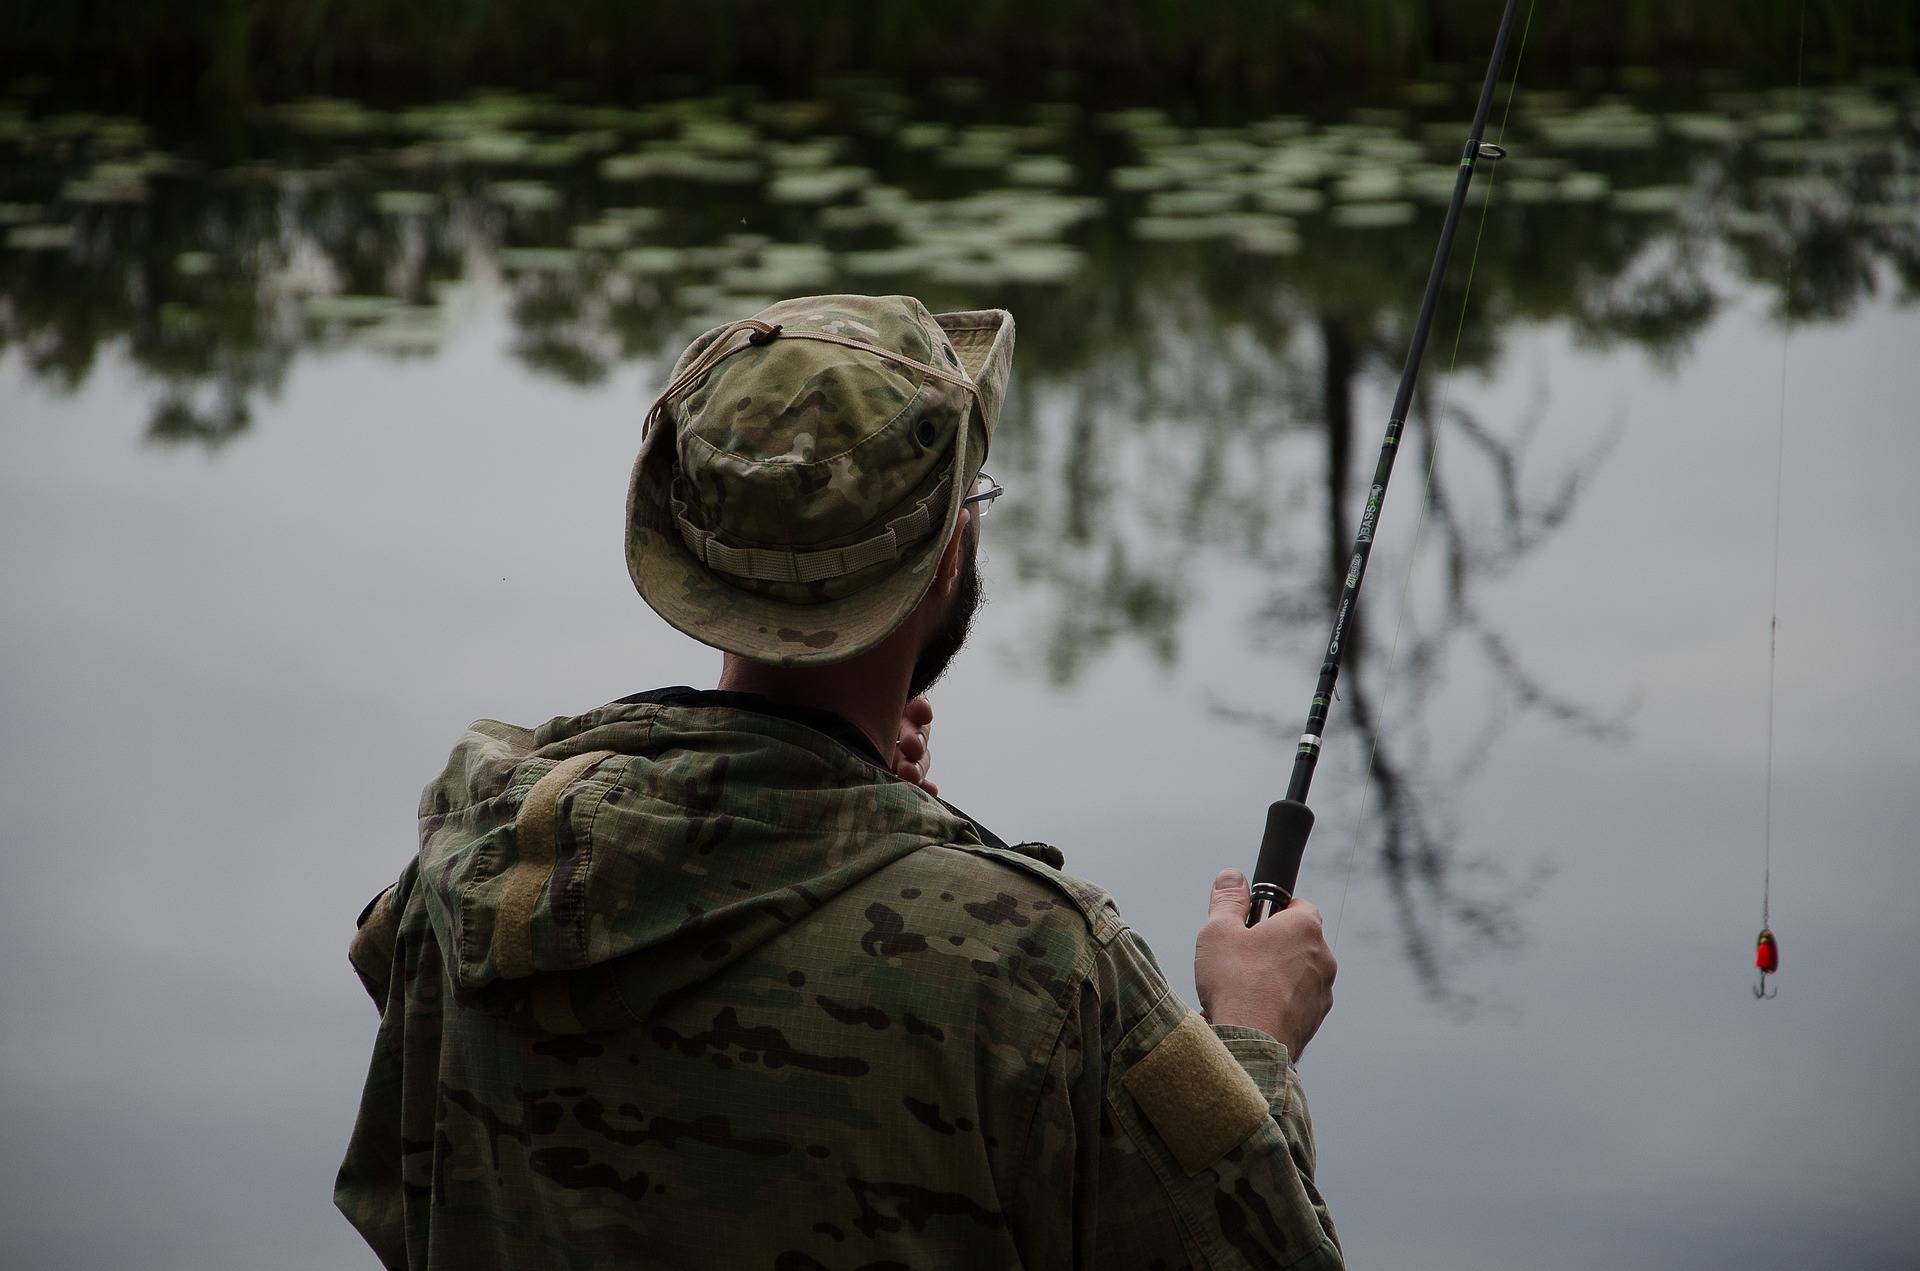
x: 1289, y: 822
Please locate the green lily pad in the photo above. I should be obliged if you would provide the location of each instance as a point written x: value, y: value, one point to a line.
x: 404, y: 202
x: 1710, y: 129
x: 40, y: 238
x: 811, y: 154
x: 783, y: 268
x: 1040, y: 170
x: 1373, y: 215
x: 887, y: 262
x: 1585, y: 187
x: 818, y: 185
x: 410, y: 329
x: 1035, y: 263
x: 1650, y: 199
x: 1368, y: 185
x: 637, y: 219
x: 1292, y: 200
x: 539, y: 259
x: 1743, y: 221
x: 1893, y: 215
x: 1265, y: 235
x: 1191, y: 203
x: 652, y: 260
x: 350, y: 308
x: 601, y: 236
x: 924, y: 136
x: 524, y: 196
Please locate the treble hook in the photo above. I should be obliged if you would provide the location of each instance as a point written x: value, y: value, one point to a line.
x: 1761, y: 991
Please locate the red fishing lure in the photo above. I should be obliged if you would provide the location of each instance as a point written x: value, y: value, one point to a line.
x: 1766, y: 956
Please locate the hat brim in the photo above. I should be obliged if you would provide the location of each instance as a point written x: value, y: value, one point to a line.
x: 703, y: 604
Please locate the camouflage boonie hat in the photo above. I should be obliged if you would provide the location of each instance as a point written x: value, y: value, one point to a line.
x: 804, y: 467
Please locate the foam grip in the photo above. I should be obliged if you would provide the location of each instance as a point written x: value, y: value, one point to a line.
x: 1285, y: 842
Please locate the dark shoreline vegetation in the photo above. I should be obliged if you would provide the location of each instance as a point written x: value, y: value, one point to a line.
x: 205, y: 57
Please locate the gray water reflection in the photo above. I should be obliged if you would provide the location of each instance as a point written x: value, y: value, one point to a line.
x: 1208, y: 321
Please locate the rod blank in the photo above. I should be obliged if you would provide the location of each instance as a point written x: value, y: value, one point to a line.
x: 1278, y: 867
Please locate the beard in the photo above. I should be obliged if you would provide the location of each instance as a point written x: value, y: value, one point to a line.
x: 952, y: 635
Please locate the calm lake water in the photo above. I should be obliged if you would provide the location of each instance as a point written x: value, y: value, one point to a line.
x: 309, y: 457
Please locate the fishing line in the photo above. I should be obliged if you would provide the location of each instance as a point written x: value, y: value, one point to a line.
x: 1434, y: 420
x: 1767, y: 950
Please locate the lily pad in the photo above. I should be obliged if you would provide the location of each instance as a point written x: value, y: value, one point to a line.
x: 601, y: 236
x: 333, y: 117
x: 636, y: 219
x: 1036, y: 263
x: 404, y: 202
x: 539, y: 259
x: 1292, y: 200
x: 40, y: 238
x: 409, y: 330
x: 924, y: 136
x: 1373, y: 215
x: 811, y: 154
x: 108, y: 183
x: 1265, y: 235
x: 1368, y: 185
x: 1585, y: 187
x: 351, y: 308
x: 651, y: 260
x: 886, y: 262
x: 1893, y: 215
x: 1650, y: 199
x: 1040, y: 170
x: 1191, y: 203
x: 1710, y: 129
x: 524, y: 196
x: 786, y: 268
x: 1743, y: 221
x: 818, y: 185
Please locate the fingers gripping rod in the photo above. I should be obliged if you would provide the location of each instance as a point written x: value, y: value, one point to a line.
x: 1290, y: 821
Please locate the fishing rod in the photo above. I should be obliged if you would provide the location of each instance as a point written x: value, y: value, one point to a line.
x: 1290, y: 820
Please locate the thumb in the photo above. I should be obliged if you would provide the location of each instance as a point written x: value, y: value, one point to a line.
x: 1230, y: 898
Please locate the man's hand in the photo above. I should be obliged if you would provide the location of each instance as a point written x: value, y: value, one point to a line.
x: 1276, y: 977
x: 912, y: 753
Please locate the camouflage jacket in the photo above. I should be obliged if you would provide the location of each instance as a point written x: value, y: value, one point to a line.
x: 689, y: 985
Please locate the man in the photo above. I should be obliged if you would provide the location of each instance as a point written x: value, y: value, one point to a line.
x: 714, y: 979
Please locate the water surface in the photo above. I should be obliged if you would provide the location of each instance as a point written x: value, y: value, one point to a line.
x: 310, y: 460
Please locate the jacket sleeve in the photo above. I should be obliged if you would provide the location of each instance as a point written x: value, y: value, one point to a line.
x: 1165, y: 1143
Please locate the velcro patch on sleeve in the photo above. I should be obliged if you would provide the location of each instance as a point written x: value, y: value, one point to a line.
x: 1198, y: 1097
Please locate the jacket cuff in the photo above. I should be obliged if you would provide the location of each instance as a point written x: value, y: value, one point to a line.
x: 1264, y: 1059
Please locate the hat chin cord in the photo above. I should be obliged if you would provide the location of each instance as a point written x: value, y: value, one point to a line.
x: 760, y: 334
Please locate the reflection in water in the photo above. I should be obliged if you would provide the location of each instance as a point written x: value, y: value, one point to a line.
x: 1198, y: 309
x: 1447, y: 906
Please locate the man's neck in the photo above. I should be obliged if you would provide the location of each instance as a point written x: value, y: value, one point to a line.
x: 868, y: 691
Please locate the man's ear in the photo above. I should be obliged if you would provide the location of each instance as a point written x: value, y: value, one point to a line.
x: 946, y: 574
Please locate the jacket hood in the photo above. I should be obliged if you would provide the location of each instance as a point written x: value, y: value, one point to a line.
x: 579, y: 874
